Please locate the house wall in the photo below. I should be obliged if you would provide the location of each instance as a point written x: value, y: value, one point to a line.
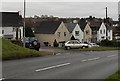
x: 62, y: 29
x: 101, y: 36
x: 110, y: 34
x: 12, y: 31
x: 87, y: 34
x: 80, y: 36
x: 45, y: 38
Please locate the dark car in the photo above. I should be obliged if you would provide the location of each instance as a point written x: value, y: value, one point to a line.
x: 32, y: 43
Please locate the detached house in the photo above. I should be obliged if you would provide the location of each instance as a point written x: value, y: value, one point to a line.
x: 63, y: 34
x: 109, y: 32
x: 46, y: 32
x: 101, y: 31
x: 87, y: 34
x: 11, y: 25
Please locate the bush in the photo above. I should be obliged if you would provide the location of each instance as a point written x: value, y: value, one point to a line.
x: 17, y: 42
x: 55, y: 44
x: 110, y: 43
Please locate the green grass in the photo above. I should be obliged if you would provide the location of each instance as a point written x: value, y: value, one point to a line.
x: 115, y: 76
x: 12, y: 51
x: 101, y: 48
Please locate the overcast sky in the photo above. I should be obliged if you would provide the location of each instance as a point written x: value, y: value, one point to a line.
x: 65, y: 9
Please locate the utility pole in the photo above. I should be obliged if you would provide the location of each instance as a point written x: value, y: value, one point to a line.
x: 106, y: 13
x: 24, y: 26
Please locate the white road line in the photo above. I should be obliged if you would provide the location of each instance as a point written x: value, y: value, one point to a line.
x: 94, y: 58
x: 2, y: 79
x: 58, y: 53
x: 111, y: 55
x: 47, y: 68
x: 68, y: 53
x: 84, y: 60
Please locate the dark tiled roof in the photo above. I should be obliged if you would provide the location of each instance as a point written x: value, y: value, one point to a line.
x: 82, y: 25
x: 70, y: 26
x: 108, y: 27
x: 95, y: 25
x: 47, y: 27
x: 10, y: 19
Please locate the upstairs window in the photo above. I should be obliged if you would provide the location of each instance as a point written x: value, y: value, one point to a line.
x: 76, y: 33
x: 58, y: 34
x: 65, y: 33
x: 100, y: 31
x: 104, y: 31
x: 87, y: 32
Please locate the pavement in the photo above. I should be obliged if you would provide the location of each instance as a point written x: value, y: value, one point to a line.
x: 64, y: 65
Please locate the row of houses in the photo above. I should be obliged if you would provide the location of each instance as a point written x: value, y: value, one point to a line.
x: 49, y: 31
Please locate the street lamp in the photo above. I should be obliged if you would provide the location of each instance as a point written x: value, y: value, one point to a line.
x: 24, y: 26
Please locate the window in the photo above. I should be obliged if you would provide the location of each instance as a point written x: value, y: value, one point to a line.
x: 100, y: 31
x: 2, y: 31
x: 14, y: 29
x: 58, y: 34
x: 87, y: 32
x: 104, y: 31
x: 65, y: 33
x: 76, y: 33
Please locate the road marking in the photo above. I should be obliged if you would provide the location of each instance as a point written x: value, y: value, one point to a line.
x: 111, y: 55
x: 58, y: 53
x: 84, y: 60
x: 90, y: 59
x: 2, y: 79
x: 68, y: 53
x: 56, y: 66
x: 94, y: 58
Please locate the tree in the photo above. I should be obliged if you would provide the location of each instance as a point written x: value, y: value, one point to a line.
x: 29, y: 32
x: 55, y: 44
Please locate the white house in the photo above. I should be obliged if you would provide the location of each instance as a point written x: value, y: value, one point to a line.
x: 109, y: 32
x: 11, y: 25
x: 78, y: 33
x: 102, y: 32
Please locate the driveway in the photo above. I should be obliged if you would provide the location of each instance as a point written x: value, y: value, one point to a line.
x: 52, y: 49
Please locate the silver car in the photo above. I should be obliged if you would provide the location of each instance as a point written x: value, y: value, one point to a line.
x: 75, y: 44
x: 93, y: 45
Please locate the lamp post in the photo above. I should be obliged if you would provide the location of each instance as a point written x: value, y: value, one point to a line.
x: 24, y: 26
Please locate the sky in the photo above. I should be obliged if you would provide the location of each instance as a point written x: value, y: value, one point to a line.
x: 64, y: 9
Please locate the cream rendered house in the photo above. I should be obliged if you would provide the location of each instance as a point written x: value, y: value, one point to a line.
x: 46, y: 32
x: 87, y: 34
x: 62, y: 34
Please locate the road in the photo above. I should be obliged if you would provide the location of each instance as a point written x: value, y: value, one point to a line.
x: 67, y: 65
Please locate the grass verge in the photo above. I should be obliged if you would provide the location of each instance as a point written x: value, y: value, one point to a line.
x: 115, y: 76
x: 12, y: 51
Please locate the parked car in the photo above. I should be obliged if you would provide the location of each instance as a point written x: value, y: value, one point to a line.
x: 75, y: 44
x: 93, y: 45
x: 32, y: 43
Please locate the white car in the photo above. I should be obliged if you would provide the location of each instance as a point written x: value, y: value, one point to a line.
x: 75, y: 44
x: 93, y: 45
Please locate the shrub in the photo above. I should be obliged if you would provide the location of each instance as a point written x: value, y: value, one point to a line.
x: 110, y: 43
x: 55, y: 44
x: 17, y: 42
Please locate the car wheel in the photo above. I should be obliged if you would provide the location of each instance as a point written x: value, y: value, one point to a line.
x: 37, y: 49
x: 68, y: 48
x: 35, y: 43
x: 83, y: 47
